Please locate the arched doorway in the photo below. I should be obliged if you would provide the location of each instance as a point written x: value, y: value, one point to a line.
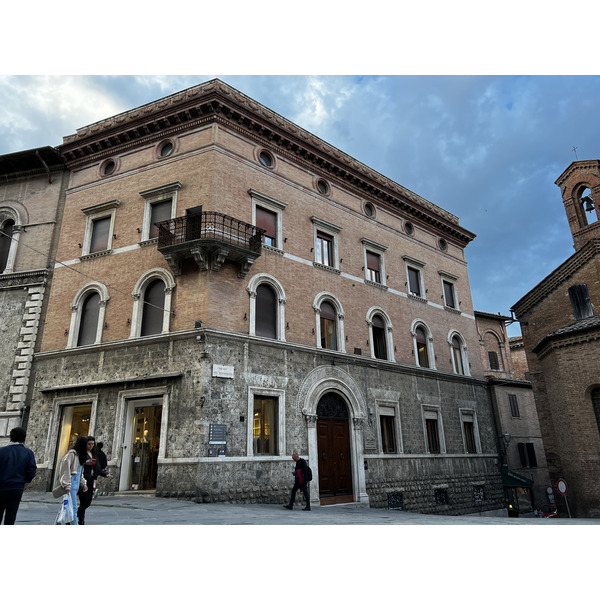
x: 335, y: 458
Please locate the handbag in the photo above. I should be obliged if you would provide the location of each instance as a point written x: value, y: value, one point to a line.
x: 65, y: 513
x: 58, y: 491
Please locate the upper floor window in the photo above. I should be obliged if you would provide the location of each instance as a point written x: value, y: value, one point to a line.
x: 458, y: 348
x: 6, y: 241
x: 161, y: 205
x: 325, y: 242
x: 330, y: 318
x: 514, y: 405
x: 492, y: 346
x: 434, y: 431
x: 380, y: 334
x: 470, y: 431
x: 152, y: 297
x: 267, y: 305
x: 527, y: 454
x: 99, y: 232
x: 374, y: 261
x: 414, y: 277
x: 267, y: 214
x: 423, y: 345
x: 449, y: 290
x: 580, y: 301
x: 87, y: 315
x: 596, y: 406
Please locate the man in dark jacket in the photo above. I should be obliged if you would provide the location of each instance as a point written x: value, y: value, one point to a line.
x: 17, y: 469
x: 300, y: 482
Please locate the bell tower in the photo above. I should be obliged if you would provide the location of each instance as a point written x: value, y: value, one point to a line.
x: 580, y: 188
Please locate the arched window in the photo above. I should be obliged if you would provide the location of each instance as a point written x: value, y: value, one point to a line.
x: 87, y: 315
x: 6, y: 236
x: 596, y: 405
x: 380, y: 334
x: 153, y: 308
x: 88, y: 323
x: 152, y: 297
x: 328, y: 326
x: 458, y: 350
x: 266, y: 311
x: 267, y: 307
x: 423, y: 345
x: 492, y: 346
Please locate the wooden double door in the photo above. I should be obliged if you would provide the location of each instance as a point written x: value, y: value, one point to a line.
x: 335, y: 460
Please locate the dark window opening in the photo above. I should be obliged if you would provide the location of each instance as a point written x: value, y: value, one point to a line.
x: 493, y: 358
x: 469, y: 429
x: 433, y: 436
x: 457, y: 353
x: 514, y: 405
x: 153, y: 308
x: 328, y: 327
x: 449, y: 294
x: 5, y: 242
x: 388, y: 434
x: 596, y: 405
x: 373, y: 267
x: 88, y: 322
x: 414, y: 283
x: 267, y: 220
x: 100, y: 231
x: 527, y: 455
x: 580, y: 301
x: 266, y: 312
x: 441, y: 496
x: 422, y: 353
x: 379, y: 346
x: 160, y: 211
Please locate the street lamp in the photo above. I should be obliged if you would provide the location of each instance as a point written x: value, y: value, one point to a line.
x: 506, y: 439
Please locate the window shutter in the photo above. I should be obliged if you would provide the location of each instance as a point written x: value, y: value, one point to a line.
x: 154, y: 303
x: 161, y: 211
x: 88, y: 322
x: 267, y: 220
x: 266, y: 312
x: 100, y: 231
x: 372, y: 261
x: 494, y: 365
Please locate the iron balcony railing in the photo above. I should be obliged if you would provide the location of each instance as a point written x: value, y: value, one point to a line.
x: 209, y: 226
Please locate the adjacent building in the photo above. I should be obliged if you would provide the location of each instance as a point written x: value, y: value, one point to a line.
x: 32, y: 193
x: 520, y: 446
x: 229, y: 289
x: 561, y: 336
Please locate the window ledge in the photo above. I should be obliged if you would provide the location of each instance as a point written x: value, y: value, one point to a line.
x: 327, y: 268
x: 452, y: 310
x: 273, y: 250
x: 417, y: 298
x: 95, y: 255
x: 150, y: 242
x: 381, y: 286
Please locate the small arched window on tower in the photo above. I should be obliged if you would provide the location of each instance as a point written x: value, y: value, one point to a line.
x: 580, y: 301
x: 588, y: 206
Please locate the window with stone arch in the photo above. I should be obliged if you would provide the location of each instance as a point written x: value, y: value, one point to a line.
x: 9, y: 238
x: 380, y: 334
x: 267, y: 307
x: 329, y: 328
x: 423, y: 345
x: 152, y: 297
x: 87, y: 315
x: 595, y: 397
x: 458, y: 353
x: 493, y: 349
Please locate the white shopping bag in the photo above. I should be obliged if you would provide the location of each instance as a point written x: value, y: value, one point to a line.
x: 65, y: 513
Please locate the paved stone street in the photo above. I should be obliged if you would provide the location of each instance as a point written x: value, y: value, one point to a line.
x: 39, y: 508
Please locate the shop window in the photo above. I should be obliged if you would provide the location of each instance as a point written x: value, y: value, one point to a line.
x: 514, y: 405
x: 265, y: 425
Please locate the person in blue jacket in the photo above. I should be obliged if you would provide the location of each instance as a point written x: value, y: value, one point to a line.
x: 17, y: 469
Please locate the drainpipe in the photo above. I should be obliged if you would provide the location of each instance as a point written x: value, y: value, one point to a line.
x: 37, y: 153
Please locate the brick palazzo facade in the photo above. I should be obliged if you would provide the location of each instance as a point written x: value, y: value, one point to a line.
x: 231, y: 288
x: 561, y: 336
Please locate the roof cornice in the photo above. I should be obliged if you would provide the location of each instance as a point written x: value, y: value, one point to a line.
x: 217, y: 102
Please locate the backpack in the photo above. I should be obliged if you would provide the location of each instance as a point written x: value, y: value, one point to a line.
x: 308, y: 474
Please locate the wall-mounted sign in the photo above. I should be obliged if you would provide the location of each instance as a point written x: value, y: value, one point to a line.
x: 217, y: 434
x: 225, y: 371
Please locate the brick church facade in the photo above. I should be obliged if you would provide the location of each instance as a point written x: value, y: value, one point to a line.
x: 561, y: 335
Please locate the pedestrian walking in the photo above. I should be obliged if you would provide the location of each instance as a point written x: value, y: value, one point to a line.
x: 91, y: 470
x: 70, y: 469
x: 102, y: 462
x: 17, y: 469
x: 301, y: 479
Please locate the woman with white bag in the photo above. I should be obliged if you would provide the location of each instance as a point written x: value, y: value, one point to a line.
x: 69, y: 473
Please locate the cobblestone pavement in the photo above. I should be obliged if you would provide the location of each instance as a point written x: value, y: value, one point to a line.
x: 39, y: 508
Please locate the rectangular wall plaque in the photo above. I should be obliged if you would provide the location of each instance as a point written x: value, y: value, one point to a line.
x: 217, y: 434
x: 223, y: 371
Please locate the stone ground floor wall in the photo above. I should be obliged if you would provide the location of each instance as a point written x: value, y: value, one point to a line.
x: 202, y: 379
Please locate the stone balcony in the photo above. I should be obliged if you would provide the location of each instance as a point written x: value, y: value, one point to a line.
x: 210, y: 238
